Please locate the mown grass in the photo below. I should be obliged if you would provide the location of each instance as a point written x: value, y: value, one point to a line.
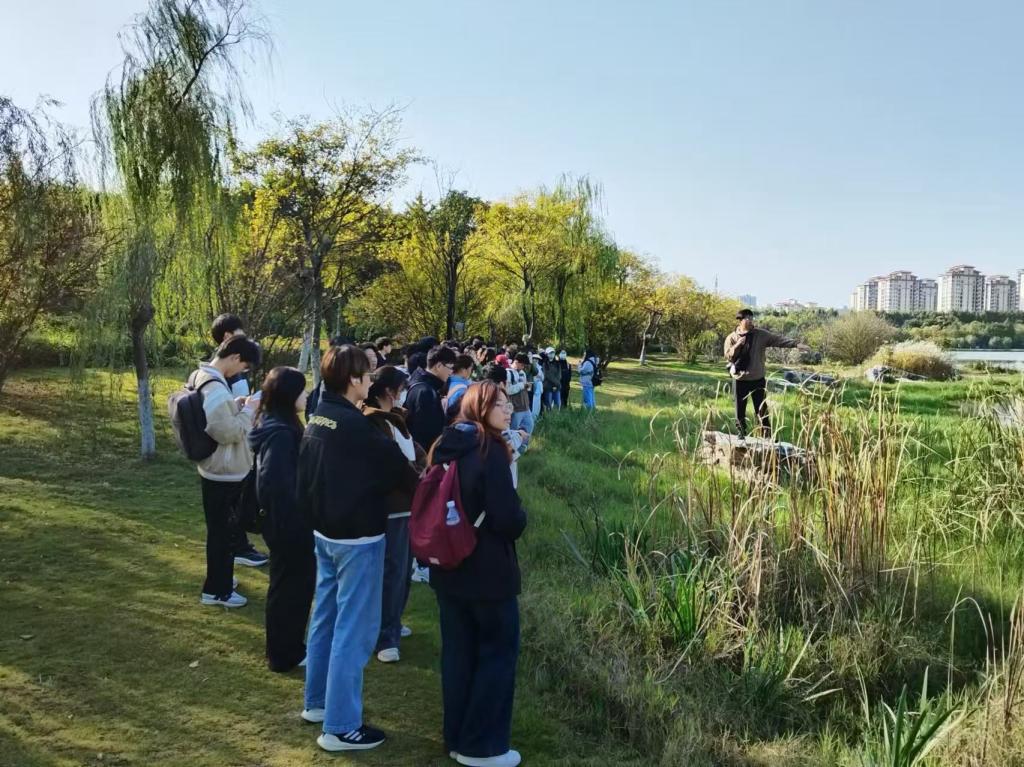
x: 106, y: 658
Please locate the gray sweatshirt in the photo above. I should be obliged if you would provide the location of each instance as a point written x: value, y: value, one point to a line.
x: 759, y: 340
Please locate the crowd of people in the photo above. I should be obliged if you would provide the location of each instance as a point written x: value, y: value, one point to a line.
x: 336, y: 493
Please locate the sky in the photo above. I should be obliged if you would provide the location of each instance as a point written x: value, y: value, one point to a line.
x: 780, y: 148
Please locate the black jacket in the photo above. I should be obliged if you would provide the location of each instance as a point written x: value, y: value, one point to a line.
x: 346, y: 468
x: 425, y: 415
x: 275, y: 444
x: 491, y: 572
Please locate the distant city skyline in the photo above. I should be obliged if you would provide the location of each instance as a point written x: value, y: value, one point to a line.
x: 796, y: 146
x: 960, y: 288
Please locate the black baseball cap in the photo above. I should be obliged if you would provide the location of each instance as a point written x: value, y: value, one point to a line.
x: 743, y: 314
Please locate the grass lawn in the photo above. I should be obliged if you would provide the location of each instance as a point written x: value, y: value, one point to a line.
x: 106, y: 657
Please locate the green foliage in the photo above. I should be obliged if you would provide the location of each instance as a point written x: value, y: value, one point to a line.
x: 50, y: 238
x: 903, y: 737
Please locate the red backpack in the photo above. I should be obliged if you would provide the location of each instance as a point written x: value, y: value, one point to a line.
x: 440, y: 534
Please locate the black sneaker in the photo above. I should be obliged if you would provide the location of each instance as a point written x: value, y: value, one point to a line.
x: 251, y: 558
x: 362, y: 739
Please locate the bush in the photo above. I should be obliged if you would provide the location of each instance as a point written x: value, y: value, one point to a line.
x: 920, y: 357
x: 853, y: 338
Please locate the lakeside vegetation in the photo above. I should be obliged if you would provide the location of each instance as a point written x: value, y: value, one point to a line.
x: 672, y: 614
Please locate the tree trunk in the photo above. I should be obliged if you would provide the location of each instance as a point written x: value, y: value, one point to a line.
x: 147, y: 433
x: 449, y: 318
x: 316, y: 326
x: 307, y: 343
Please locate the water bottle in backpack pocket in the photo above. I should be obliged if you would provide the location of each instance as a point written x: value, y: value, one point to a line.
x: 440, y: 534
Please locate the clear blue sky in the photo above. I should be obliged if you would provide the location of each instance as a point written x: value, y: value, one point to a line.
x: 786, y: 148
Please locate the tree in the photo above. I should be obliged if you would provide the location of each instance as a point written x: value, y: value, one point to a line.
x: 160, y: 127
x: 49, y: 233
x: 330, y: 181
x: 854, y: 337
x: 617, y: 307
x: 522, y: 240
x: 432, y: 281
x: 694, y: 320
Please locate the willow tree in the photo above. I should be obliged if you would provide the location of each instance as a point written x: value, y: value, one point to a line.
x: 161, y: 124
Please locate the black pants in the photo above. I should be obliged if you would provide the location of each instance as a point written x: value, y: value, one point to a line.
x: 289, y: 597
x: 565, y: 394
x: 755, y: 390
x: 479, y: 650
x: 219, y: 501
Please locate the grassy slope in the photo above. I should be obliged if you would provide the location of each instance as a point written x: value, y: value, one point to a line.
x: 106, y: 656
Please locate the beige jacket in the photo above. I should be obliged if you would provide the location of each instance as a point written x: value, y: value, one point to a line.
x: 759, y: 340
x: 228, y: 425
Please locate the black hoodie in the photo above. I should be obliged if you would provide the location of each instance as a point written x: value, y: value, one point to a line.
x: 491, y: 572
x: 346, y: 468
x: 425, y: 413
x: 275, y: 443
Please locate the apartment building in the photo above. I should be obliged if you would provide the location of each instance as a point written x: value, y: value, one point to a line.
x: 1001, y: 294
x: 961, y: 289
x: 898, y: 292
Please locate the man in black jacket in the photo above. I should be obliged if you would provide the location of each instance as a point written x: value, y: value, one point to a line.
x: 425, y: 417
x: 346, y: 469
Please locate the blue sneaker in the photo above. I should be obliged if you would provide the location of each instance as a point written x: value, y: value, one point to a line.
x: 251, y: 558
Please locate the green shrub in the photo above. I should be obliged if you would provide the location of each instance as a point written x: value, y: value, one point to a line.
x: 919, y: 357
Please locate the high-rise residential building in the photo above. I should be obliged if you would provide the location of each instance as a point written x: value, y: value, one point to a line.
x: 927, y: 295
x: 897, y: 292
x: 961, y: 289
x: 865, y: 296
x: 1020, y: 290
x: 747, y: 300
x: 1000, y: 294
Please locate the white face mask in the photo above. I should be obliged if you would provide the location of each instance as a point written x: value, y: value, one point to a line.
x: 401, y: 397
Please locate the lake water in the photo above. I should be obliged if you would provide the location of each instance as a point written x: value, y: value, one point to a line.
x: 1008, y: 357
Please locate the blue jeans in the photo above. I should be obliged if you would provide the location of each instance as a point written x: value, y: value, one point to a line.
x: 479, y: 651
x: 537, y: 394
x: 343, y: 629
x: 397, y: 566
x: 522, y: 420
x: 553, y: 399
x: 588, y: 396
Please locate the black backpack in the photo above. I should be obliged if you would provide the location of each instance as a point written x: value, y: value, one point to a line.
x: 188, y: 420
x: 597, y: 379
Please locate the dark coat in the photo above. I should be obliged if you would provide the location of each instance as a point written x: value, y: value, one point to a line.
x: 275, y: 445
x: 398, y: 500
x: 491, y: 572
x: 346, y: 468
x: 425, y: 414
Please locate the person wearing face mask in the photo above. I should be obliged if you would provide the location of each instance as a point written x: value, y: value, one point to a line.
x: 346, y: 470
x: 275, y: 442
x: 424, y: 404
x: 565, y: 370
x: 383, y: 408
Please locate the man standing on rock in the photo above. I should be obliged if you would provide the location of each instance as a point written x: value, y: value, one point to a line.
x: 745, y: 350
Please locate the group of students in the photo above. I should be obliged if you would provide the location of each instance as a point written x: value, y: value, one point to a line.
x: 337, y: 495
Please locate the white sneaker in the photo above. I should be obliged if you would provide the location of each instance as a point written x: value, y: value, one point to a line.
x: 420, y: 574
x: 508, y: 759
x: 235, y: 600
x: 302, y: 663
x: 313, y: 715
x: 406, y: 632
x: 389, y: 655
